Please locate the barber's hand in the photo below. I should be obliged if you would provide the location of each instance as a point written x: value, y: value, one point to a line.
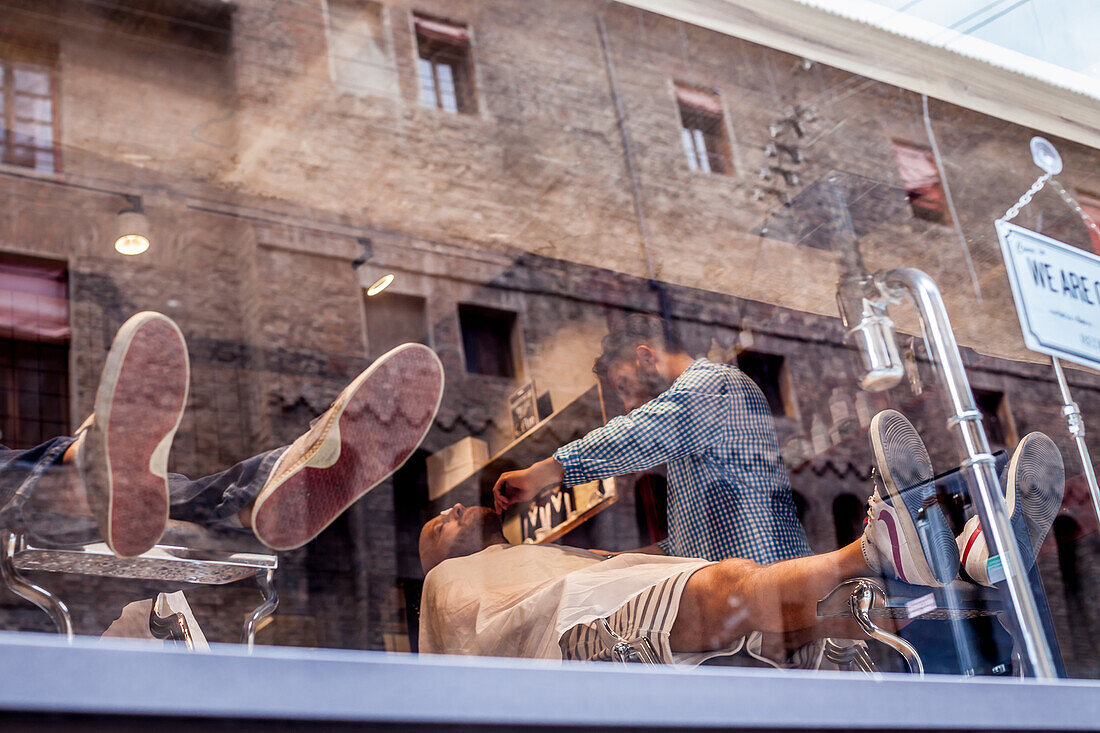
x: 515, y: 487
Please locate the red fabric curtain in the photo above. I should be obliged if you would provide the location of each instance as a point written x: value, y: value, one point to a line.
x: 698, y: 99
x: 34, y: 302
x: 918, y: 170
x: 441, y: 31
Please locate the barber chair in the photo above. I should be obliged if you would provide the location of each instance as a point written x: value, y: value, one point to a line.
x: 175, y: 560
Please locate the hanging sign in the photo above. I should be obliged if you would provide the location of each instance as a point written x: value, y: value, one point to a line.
x: 1057, y: 292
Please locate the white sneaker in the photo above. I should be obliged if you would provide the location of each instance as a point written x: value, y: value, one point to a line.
x: 123, y: 452
x: 1034, y: 484
x: 906, y: 494
x: 372, y: 428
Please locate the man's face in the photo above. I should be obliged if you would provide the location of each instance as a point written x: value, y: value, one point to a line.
x: 636, y: 381
x: 456, y: 532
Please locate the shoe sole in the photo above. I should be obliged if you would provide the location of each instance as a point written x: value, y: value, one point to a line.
x: 138, y: 408
x: 1036, y: 485
x: 907, y: 476
x: 390, y: 409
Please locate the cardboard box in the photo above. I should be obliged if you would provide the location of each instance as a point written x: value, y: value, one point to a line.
x: 448, y: 467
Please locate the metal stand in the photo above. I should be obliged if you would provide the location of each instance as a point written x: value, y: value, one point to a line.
x: 53, y: 606
x: 626, y: 651
x: 163, y: 563
x: 867, y: 596
x: 266, y: 581
x: 173, y: 627
x: 887, y: 287
x: 1077, y: 429
x: 851, y: 657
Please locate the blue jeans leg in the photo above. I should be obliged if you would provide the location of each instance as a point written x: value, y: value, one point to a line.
x: 215, y: 500
x: 20, y: 472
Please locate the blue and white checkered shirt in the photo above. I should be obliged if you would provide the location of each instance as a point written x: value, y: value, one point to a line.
x: 728, y: 490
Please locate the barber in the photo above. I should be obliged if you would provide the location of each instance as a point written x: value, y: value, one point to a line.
x: 728, y: 490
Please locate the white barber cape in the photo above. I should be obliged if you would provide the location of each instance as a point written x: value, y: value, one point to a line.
x: 518, y: 600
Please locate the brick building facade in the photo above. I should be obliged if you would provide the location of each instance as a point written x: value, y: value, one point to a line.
x: 594, y: 160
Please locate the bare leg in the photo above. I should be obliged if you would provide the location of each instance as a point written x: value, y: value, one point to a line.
x: 725, y: 601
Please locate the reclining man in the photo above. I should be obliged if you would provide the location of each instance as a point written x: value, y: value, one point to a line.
x: 286, y: 496
x: 484, y: 597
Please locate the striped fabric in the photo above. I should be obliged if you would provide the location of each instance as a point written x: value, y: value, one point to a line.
x: 728, y: 490
x: 648, y: 615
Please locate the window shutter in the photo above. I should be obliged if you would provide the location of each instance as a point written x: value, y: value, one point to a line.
x: 34, y: 302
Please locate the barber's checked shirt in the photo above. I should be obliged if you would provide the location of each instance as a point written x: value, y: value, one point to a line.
x: 728, y: 490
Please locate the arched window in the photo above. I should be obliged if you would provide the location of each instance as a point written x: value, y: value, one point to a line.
x: 1066, y: 532
x: 848, y: 513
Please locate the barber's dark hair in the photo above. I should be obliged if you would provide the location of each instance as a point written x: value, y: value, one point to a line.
x: 631, y: 332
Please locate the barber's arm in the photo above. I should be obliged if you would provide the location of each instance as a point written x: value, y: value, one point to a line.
x: 675, y: 424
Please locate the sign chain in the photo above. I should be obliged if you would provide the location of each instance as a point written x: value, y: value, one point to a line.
x: 1028, y: 195
x: 1066, y: 196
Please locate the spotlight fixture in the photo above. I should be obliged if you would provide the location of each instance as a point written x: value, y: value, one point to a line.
x: 132, y: 228
x: 380, y: 284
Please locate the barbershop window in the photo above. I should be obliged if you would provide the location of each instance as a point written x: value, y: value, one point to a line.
x: 360, y: 54
x: 29, y: 106
x: 921, y: 179
x: 34, y: 351
x: 769, y: 371
x: 488, y: 340
x: 445, y: 65
x: 1000, y: 428
x: 394, y: 319
x: 703, y: 130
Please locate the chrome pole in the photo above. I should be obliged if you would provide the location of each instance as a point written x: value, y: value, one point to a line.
x: 1077, y: 429
x: 966, y: 422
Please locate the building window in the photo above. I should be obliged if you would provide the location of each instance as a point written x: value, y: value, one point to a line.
x: 394, y: 319
x: 29, y: 106
x: 34, y: 351
x: 1090, y: 205
x: 769, y: 372
x: 1000, y: 428
x: 848, y: 514
x: 488, y: 340
x: 651, y: 507
x: 445, y: 65
x: 921, y: 179
x: 1066, y: 533
x: 800, y: 507
x: 703, y: 130
x: 360, y: 54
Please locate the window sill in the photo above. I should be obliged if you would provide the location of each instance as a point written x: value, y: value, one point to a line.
x: 117, y: 677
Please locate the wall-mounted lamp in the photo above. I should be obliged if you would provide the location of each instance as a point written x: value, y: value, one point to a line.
x: 132, y: 228
x: 380, y: 284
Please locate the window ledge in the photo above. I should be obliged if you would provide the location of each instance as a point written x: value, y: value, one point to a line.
x: 117, y: 677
